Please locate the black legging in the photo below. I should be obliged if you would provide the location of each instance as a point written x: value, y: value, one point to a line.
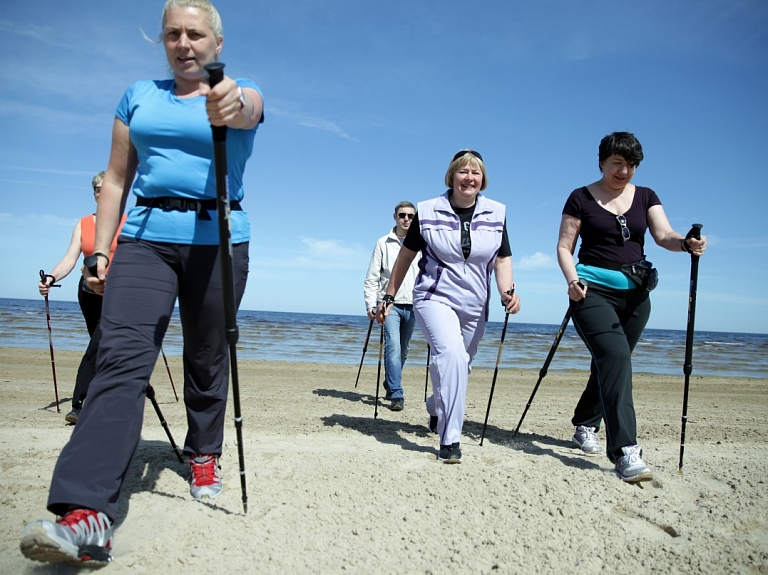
x: 90, y: 305
x: 610, y: 322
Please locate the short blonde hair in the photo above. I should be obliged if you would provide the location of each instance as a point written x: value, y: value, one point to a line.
x: 214, y: 20
x: 98, y: 179
x: 463, y: 158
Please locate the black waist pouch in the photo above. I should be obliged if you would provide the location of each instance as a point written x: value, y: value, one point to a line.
x: 643, y: 274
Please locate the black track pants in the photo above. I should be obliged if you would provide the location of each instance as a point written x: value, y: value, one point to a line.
x: 610, y: 323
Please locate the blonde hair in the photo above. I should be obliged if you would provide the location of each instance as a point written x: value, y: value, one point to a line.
x: 97, y: 179
x: 212, y: 15
x: 463, y: 159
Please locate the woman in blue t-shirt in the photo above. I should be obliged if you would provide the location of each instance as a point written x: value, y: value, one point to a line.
x: 611, y: 217
x: 162, y: 151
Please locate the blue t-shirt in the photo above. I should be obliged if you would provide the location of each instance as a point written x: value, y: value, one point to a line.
x: 174, y: 143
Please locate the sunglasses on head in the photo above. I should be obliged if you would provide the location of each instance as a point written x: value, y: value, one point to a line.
x: 464, y: 153
x: 624, y: 229
x: 403, y: 215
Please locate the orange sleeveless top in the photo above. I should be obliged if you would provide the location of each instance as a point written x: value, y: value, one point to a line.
x: 88, y: 235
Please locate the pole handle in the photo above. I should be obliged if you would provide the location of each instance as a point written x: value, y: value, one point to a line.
x: 215, y: 75
x: 695, y: 232
x: 44, y: 275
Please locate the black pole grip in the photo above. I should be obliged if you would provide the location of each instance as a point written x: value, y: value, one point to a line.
x: 695, y: 232
x: 44, y: 275
x: 215, y: 73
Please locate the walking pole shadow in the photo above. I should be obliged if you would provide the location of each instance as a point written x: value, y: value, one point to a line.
x: 53, y: 404
x: 387, y: 432
x: 531, y: 443
x: 345, y: 395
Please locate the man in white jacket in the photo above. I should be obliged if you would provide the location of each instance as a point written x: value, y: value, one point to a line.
x: 398, y: 328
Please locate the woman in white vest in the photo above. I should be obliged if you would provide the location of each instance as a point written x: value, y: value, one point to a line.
x: 462, y: 236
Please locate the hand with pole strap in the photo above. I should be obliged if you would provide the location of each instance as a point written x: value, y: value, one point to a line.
x: 695, y: 251
x: 44, y: 289
x: 216, y: 75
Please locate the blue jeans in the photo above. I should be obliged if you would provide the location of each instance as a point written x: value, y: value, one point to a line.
x: 398, y: 329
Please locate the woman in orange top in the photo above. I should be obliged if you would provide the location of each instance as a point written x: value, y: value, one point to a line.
x: 83, y: 239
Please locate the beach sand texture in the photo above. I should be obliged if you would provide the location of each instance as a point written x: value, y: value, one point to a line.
x: 333, y: 490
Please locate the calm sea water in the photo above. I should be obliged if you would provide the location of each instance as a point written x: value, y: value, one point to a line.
x: 322, y: 338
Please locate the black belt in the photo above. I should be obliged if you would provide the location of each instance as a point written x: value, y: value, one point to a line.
x: 184, y: 205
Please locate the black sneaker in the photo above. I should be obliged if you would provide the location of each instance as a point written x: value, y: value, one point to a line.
x: 397, y: 404
x: 73, y: 415
x: 449, y: 453
x: 432, y: 424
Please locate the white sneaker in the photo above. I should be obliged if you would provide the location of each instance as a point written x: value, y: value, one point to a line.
x: 630, y: 467
x: 585, y: 439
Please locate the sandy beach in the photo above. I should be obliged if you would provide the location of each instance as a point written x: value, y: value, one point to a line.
x: 333, y: 490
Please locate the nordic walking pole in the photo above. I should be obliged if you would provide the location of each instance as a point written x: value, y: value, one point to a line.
x: 216, y: 75
x: 496, y: 371
x: 551, y: 354
x: 426, y: 379
x: 695, y: 233
x: 365, y: 348
x: 378, y: 373
x: 43, y: 276
x: 151, y: 396
x: 168, y: 369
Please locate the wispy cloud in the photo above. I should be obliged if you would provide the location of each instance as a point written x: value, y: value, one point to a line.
x: 43, y: 34
x: 311, y: 122
x: 537, y: 261
x: 320, y: 255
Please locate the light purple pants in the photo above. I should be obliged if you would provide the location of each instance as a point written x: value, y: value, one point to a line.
x: 453, y: 337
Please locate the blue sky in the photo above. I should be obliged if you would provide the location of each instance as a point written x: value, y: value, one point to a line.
x: 366, y: 102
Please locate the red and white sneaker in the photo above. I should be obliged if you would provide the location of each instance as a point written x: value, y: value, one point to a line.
x: 205, y: 481
x: 82, y: 537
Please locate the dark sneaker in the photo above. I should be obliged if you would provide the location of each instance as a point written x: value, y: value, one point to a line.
x: 82, y: 537
x: 449, y: 453
x: 585, y: 439
x: 397, y: 404
x: 432, y: 423
x: 630, y: 467
x: 73, y: 415
x: 205, y: 481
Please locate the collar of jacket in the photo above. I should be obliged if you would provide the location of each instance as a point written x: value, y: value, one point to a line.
x: 444, y: 204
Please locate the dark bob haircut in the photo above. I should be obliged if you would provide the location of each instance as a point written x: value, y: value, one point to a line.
x: 622, y: 143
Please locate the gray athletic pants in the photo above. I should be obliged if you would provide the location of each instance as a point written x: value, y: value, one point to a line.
x: 143, y: 283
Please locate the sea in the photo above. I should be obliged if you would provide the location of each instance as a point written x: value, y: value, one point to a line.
x: 340, y: 339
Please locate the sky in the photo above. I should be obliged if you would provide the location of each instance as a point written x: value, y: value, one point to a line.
x: 366, y: 103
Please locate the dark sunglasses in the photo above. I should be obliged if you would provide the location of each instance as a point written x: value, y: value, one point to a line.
x: 96, y: 189
x: 465, y: 152
x: 624, y: 229
x: 403, y: 215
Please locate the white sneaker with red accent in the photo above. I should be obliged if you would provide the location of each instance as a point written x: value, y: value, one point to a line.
x: 82, y: 537
x: 205, y: 481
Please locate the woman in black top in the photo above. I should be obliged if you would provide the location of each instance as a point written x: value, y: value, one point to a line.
x: 611, y: 217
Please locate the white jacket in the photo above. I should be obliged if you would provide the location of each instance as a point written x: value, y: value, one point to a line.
x: 380, y: 269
